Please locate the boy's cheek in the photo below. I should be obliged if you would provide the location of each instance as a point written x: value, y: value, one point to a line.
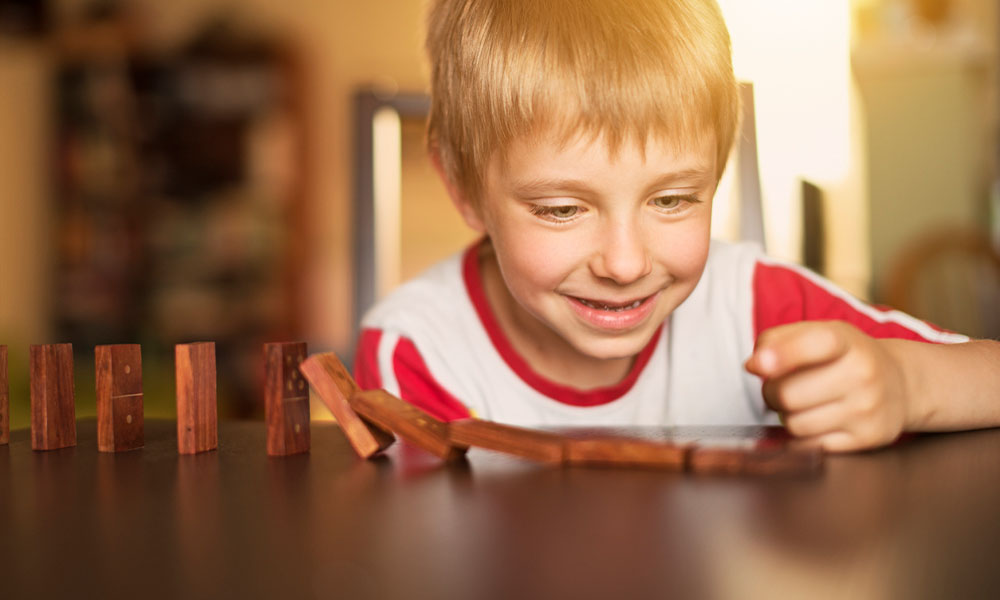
x: 539, y: 254
x: 696, y: 252
x: 684, y: 252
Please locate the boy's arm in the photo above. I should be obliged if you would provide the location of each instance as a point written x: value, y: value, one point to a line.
x: 393, y: 362
x: 841, y: 389
x: 950, y: 386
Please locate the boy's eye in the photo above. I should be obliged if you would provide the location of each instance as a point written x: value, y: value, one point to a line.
x: 673, y: 202
x: 558, y: 213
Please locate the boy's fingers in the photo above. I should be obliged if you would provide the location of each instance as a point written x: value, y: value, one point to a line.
x: 834, y: 441
x: 838, y: 432
x: 787, y: 348
x: 823, y: 419
x: 807, y: 388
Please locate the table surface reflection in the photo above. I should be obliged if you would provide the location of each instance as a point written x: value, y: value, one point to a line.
x: 919, y: 520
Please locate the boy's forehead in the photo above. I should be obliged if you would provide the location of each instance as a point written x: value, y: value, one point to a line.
x: 547, y: 149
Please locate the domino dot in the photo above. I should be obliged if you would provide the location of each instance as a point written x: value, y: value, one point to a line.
x: 298, y: 428
x: 128, y: 369
x: 128, y: 419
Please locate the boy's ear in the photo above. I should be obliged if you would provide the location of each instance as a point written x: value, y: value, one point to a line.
x: 470, y: 212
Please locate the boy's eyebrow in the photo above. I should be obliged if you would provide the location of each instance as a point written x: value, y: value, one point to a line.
x: 696, y: 176
x: 693, y: 176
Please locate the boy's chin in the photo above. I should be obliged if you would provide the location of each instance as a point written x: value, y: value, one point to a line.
x: 614, y: 349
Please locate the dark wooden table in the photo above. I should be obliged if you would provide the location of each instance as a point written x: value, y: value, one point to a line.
x: 919, y: 520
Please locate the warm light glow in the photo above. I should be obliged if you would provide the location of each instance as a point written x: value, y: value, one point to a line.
x: 387, y: 167
x: 797, y: 54
x: 725, y: 225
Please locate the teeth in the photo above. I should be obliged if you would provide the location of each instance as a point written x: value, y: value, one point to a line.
x: 610, y: 308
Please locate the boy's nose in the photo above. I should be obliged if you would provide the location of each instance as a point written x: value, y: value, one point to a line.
x: 623, y: 256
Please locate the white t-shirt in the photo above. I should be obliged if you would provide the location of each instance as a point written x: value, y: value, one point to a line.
x: 436, y: 343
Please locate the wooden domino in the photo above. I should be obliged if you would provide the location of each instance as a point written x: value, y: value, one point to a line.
x: 720, y: 457
x: 4, y: 398
x: 286, y: 399
x: 752, y: 457
x: 335, y: 386
x: 53, y: 410
x: 409, y: 422
x: 798, y: 461
x: 119, y: 397
x: 197, y: 411
x: 716, y: 451
x: 609, y: 447
x: 532, y: 444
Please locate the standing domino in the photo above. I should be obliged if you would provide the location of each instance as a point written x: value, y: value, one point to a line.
x: 197, y: 412
x: 119, y: 397
x: 286, y: 399
x: 53, y: 412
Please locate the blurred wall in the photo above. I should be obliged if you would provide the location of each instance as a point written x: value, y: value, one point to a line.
x: 24, y: 205
x: 343, y: 44
x: 929, y: 91
x: 809, y: 124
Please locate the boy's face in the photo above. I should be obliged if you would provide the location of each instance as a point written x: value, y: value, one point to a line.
x: 598, y: 249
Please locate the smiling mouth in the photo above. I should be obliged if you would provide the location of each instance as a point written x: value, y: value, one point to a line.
x: 598, y: 305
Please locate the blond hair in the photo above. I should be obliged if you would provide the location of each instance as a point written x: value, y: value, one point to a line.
x: 621, y: 69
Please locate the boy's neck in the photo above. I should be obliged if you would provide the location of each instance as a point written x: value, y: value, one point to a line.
x: 548, y: 354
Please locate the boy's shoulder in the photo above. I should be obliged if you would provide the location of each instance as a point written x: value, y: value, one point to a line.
x: 724, y: 254
x: 725, y: 289
x: 430, y: 299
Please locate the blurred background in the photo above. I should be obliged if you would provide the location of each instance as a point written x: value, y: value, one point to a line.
x: 252, y: 171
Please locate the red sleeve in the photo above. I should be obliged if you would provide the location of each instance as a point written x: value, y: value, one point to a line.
x: 785, y: 294
x: 418, y: 386
x: 366, y: 371
x: 416, y: 383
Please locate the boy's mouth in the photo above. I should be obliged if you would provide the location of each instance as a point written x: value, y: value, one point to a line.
x: 613, y: 315
x: 613, y: 307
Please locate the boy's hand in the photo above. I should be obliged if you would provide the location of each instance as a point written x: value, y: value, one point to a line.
x: 833, y: 385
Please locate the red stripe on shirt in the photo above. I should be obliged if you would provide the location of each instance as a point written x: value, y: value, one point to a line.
x: 366, y: 372
x: 782, y: 295
x: 418, y: 387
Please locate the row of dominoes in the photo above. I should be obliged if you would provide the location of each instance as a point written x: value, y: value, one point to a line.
x: 120, y: 398
x: 370, y: 419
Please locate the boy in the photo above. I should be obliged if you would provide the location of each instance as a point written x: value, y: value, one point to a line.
x: 585, y: 140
